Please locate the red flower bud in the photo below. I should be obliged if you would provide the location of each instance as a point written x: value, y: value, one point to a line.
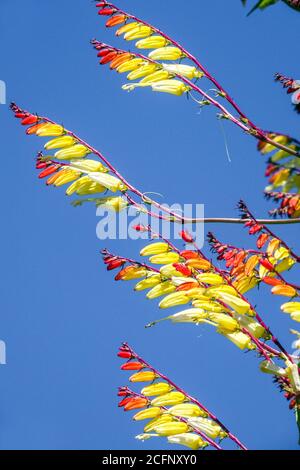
x: 29, y: 120
x: 106, y: 11
x: 49, y: 171
x: 124, y: 354
x: 186, y: 236
x: 108, y: 57
x: 181, y: 268
x: 188, y: 254
x: 262, y: 240
x: 271, y: 281
x: 266, y: 264
x: 132, y: 366
x: 117, y: 263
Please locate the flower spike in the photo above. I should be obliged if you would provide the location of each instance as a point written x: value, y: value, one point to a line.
x: 172, y: 412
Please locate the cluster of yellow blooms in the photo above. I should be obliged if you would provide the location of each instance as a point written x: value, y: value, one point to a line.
x: 160, y: 76
x: 169, y: 410
x: 69, y: 164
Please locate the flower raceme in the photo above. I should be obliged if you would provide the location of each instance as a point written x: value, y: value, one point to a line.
x: 169, y: 411
x: 70, y: 164
x: 161, y: 77
x: 178, y: 283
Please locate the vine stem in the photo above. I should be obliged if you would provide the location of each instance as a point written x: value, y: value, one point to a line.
x: 192, y: 399
x: 254, y: 130
x: 176, y: 218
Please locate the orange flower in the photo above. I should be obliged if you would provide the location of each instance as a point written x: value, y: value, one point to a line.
x: 135, y: 403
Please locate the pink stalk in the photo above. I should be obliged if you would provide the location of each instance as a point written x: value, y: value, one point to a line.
x: 254, y: 130
x: 192, y: 399
x: 175, y: 217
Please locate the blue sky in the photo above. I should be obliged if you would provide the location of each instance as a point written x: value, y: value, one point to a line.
x: 62, y: 316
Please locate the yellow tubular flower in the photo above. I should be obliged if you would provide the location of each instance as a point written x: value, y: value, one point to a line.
x: 142, y: 71
x: 50, y: 130
x: 169, y: 271
x: 186, y: 71
x: 65, y: 177
x: 161, y: 289
x: 76, y: 151
x: 199, y: 264
x: 89, y: 166
x: 155, y: 249
x: 285, y: 265
x: 192, y: 315
x: 215, y: 291
x: 195, y: 293
x: 251, y: 325
x: 90, y: 188
x: 153, y: 42
x: 82, y: 184
x: 136, y: 273
x: 139, y: 32
x: 268, y: 367
x: 273, y: 246
x: 190, y: 440
x: 173, y: 87
x: 286, y: 291
x: 144, y: 376
x: 158, y: 421
x: 160, y: 388
x: 108, y: 181
x: 149, y: 413
x: 209, y: 427
x: 210, y: 278
x: 241, y: 340
x: 169, y: 399
x: 295, y: 316
x: 170, y: 429
x: 224, y: 322
x: 290, y: 307
x: 209, y: 306
x: 187, y: 410
x: 156, y: 77
x: 127, y: 27
x: 116, y: 204
x: 172, y: 300
x: 130, y: 65
x: 293, y: 374
x: 237, y: 304
x: 60, y: 143
x: 148, y: 283
x: 245, y: 284
x: 166, y: 53
x: 293, y: 309
x: 166, y: 258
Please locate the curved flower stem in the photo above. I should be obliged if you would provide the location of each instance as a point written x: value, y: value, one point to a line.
x: 174, y: 217
x: 192, y: 399
x: 254, y: 130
